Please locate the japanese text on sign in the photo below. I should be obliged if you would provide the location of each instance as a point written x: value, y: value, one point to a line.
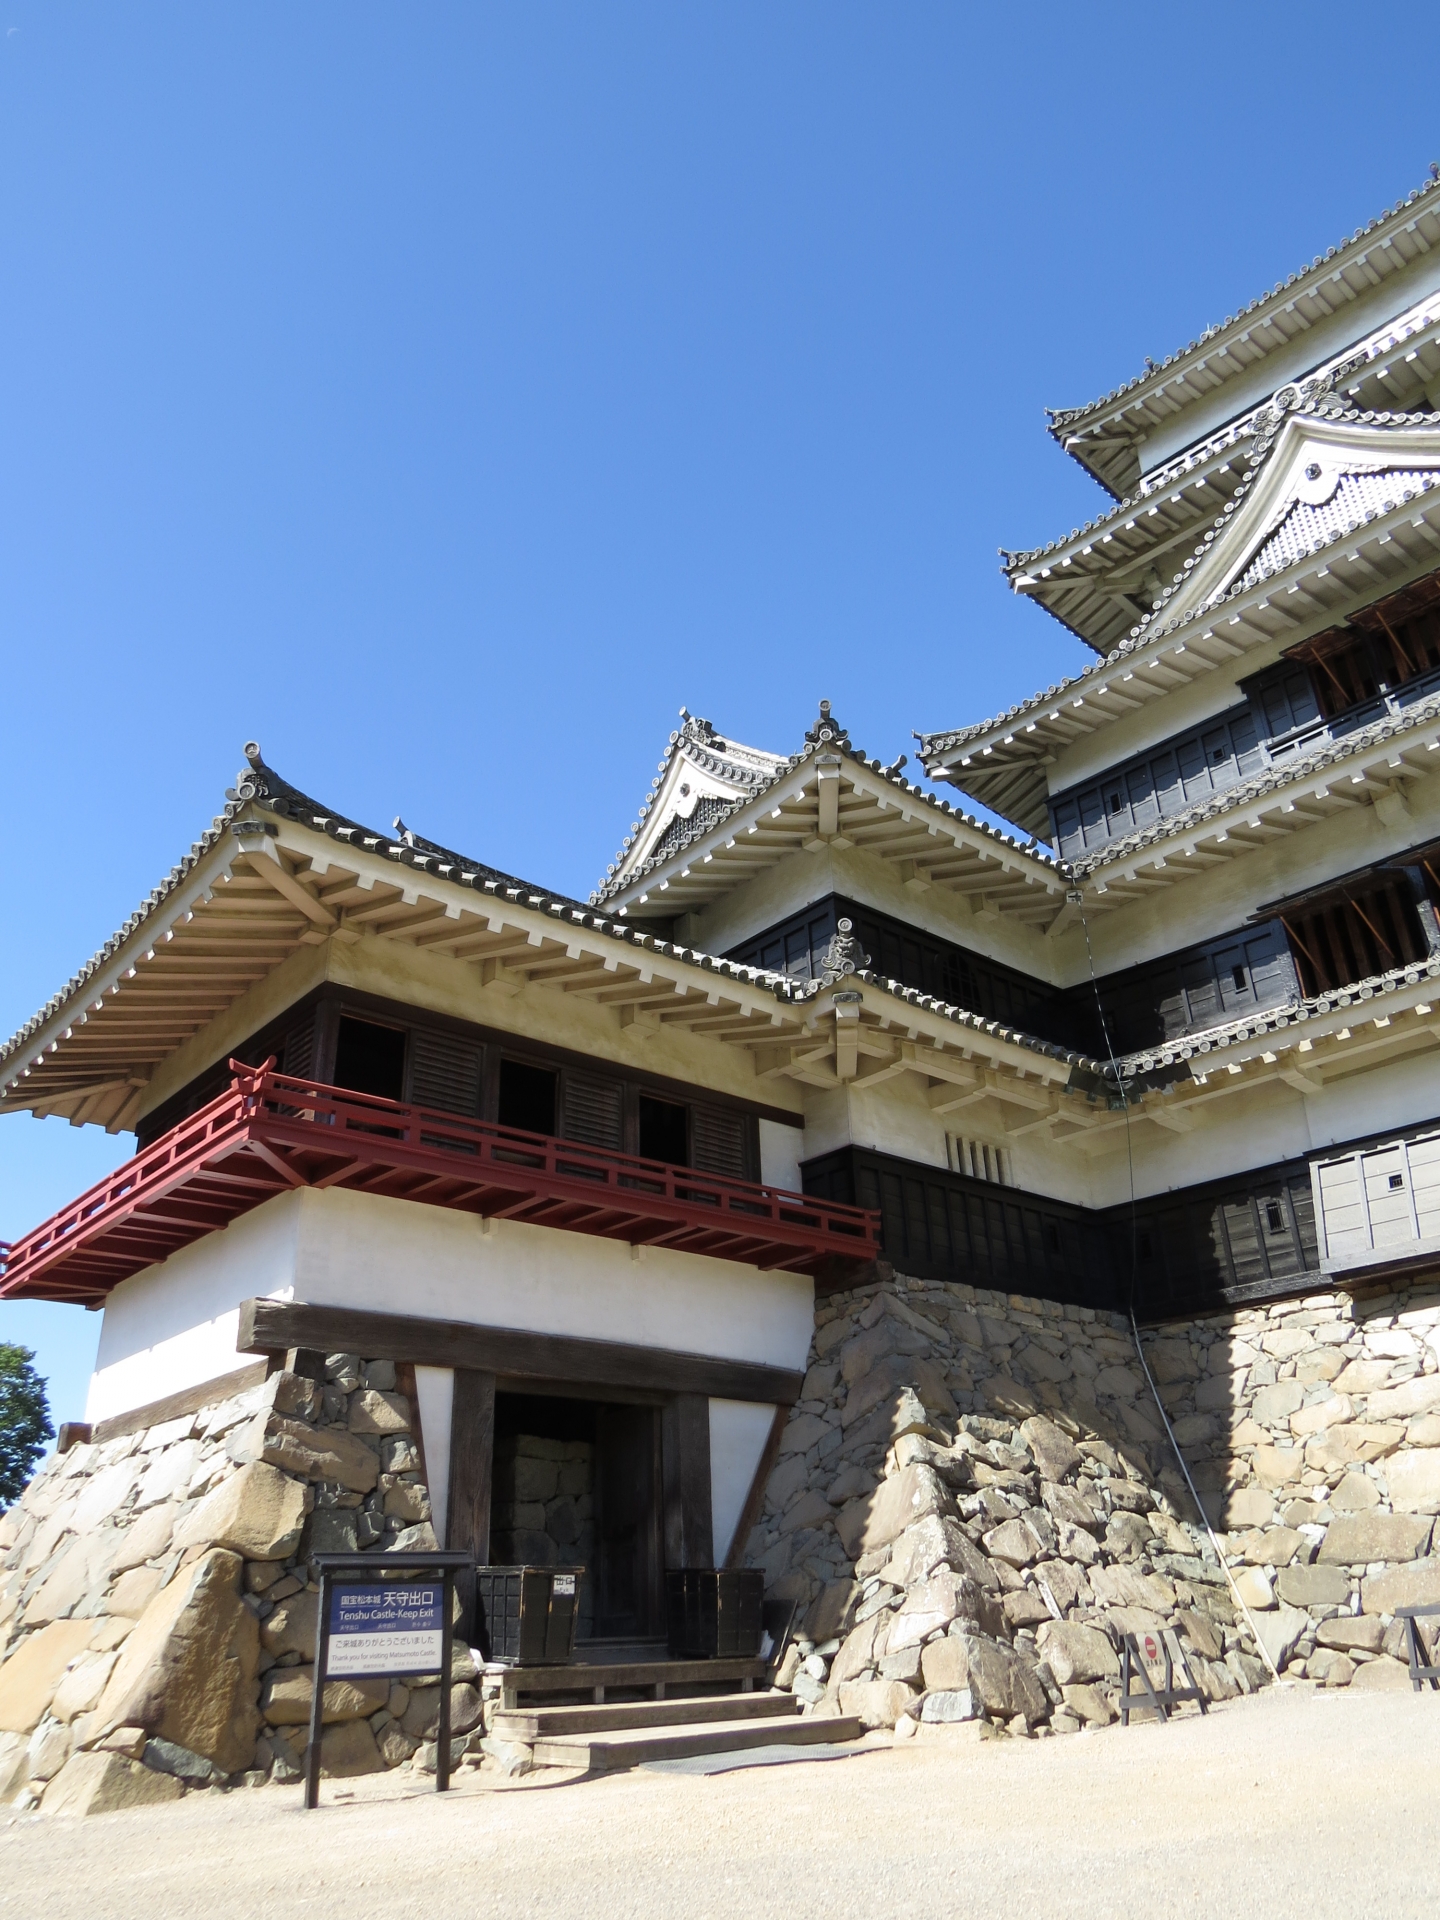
x: 385, y: 1629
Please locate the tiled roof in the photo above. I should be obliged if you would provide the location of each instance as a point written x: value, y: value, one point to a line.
x: 1065, y: 419
x: 819, y: 739
x: 1164, y: 619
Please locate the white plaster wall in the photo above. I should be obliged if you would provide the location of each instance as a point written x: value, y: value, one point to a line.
x: 358, y: 1250
x: 781, y: 1150
x: 173, y: 1326
x: 435, y: 1391
x: 738, y: 1432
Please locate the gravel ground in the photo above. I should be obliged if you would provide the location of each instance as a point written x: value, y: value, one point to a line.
x: 1295, y: 1802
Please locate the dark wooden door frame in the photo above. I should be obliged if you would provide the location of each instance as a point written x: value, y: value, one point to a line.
x: 275, y: 1326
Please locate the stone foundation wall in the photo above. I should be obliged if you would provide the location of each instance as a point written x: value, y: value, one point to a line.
x: 156, y: 1617
x: 975, y: 1497
x: 1313, y: 1432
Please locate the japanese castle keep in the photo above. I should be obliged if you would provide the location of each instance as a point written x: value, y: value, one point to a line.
x: 842, y: 1190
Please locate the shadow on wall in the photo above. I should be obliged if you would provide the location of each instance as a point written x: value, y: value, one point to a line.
x: 975, y: 1498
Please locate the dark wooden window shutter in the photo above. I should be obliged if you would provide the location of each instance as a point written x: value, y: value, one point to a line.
x: 445, y: 1072
x: 720, y: 1141
x: 593, y: 1110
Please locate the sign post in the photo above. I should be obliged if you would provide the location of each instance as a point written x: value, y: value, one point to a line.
x: 385, y: 1614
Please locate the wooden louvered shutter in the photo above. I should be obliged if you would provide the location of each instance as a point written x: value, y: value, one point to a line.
x: 594, y: 1110
x: 297, y: 1055
x: 445, y: 1072
x: 719, y: 1141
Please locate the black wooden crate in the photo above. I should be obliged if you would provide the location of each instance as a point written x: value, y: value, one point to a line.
x: 526, y: 1616
x: 714, y: 1613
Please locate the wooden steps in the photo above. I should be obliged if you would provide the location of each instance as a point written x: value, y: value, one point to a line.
x: 622, y: 1747
x: 542, y: 1723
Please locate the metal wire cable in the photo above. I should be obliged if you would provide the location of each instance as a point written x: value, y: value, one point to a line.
x: 1077, y: 900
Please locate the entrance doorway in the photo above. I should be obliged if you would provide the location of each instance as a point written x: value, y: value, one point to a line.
x: 577, y: 1483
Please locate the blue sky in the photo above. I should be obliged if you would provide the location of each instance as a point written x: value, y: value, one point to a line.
x: 445, y: 395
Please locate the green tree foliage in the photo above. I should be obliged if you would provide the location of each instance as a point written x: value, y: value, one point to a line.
x: 24, y: 1420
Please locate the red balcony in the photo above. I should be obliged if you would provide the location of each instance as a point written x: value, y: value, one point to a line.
x: 271, y: 1132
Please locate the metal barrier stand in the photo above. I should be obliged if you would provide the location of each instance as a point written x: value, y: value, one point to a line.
x: 353, y: 1569
x: 1160, y: 1699
x: 1419, y: 1672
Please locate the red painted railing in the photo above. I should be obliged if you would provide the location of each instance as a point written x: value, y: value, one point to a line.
x: 271, y: 1132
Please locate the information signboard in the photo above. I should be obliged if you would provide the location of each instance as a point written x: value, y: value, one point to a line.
x: 386, y: 1629
x: 384, y: 1613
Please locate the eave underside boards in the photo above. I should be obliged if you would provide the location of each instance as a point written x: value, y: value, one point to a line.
x: 173, y: 983
x: 1105, y: 436
x: 999, y: 764
x: 98, y: 1067
x: 1099, y: 582
x: 929, y: 844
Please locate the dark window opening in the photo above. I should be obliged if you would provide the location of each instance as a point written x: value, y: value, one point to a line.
x: 527, y: 1097
x: 1397, y: 1182
x: 1368, y: 929
x: 1237, y: 974
x: 370, y: 1058
x: 1274, y: 1217
x: 664, y: 1131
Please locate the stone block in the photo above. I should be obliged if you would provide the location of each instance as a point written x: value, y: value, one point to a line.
x: 1363, y: 1376
x: 1280, y: 1631
x: 1348, y: 1631
x: 1076, y: 1652
x: 1003, y: 1681
x: 1273, y: 1546
x: 80, y: 1690
x: 107, y: 1783
x: 1068, y: 1507
x: 944, y: 1597
x: 1356, y: 1493
x: 876, y: 1703
x: 1417, y: 1585
x: 348, y: 1749
x: 1382, y: 1676
x: 1249, y: 1507
x: 1253, y: 1586
x: 857, y: 1651
x: 106, y: 1493
x: 811, y: 1509
x: 1087, y: 1703
x: 1331, y: 1453
x: 1120, y: 1383
x: 147, y: 1538
x: 949, y: 1707
x: 289, y: 1691
x: 1277, y: 1466
x: 187, y: 1671
x: 74, y: 1574
x: 1053, y: 1453
x: 1329, y: 1669
x: 30, y: 1677
x: 293, y: 1626
x: 1024, y: 1608
x: 134, y: 1591
x: 1358, y: 1539
x: 258, y: 1513
x: 1424, y: 1430
x: 372, y: 1412
x: 312, y: 1453
x: 827, y: 1613
x: 1201, y: 1634
x: 1013, y: 1542
x: 1414, y: 1481
x: 1314, y: 1586
x: 802, y: 1431
x: 1273, y: 1406
x: 1420, y: 1395
x: 1320, y: 1415
x: 906, y: 1497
